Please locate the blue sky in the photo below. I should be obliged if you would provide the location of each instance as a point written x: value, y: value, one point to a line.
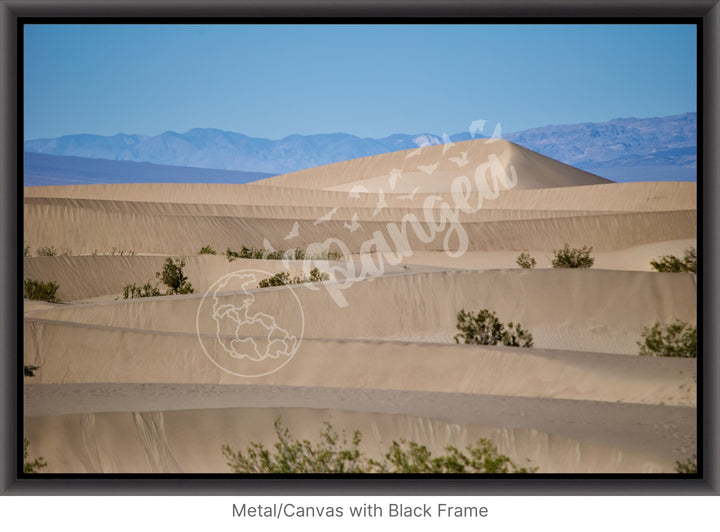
x: 369, y: 80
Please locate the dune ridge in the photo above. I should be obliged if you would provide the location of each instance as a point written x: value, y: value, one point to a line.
x: 598, y: 310
x: 433, y: 166
x: 185, y: 235
x: 660, y: 195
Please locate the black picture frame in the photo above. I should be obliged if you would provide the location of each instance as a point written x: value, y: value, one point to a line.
x: 14, y: 13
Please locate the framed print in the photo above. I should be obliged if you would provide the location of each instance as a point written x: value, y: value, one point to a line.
x: 353, y: 247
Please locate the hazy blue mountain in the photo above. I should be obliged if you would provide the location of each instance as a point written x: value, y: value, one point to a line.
x: 214, y: 148
x: 42, y: 169
x: 628, y: 143
x: 628, y: 148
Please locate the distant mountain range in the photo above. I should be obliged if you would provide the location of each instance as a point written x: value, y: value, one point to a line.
x: 42, y: 169
x: 621, y: 149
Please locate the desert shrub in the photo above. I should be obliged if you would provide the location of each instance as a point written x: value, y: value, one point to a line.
x: 687, y: 467
x: 253, y: 253
x: 29, y: 371
x: 41, y: 290
x: 26, y: 252
x: 33, y: 466
x: 573, y: 257
x: 333, y: 454
x: 327, y: 255
x: 47, y: 251
x: 231, y: 255
x: 516, y: 336
x: 316, y: 276
x: 271, y: 255
x: 484, y: 328
x: 280, y: 254
x: 171, y: 275
x: 207, y: 250
x: 483, y: 457
x: 293, y: 456
x: 670, y: 263
x: 279, y: 279
x: 524, y: 260
x: 678, y: 339
x: 133, y: 291
x: 174, y: 278
x: 283, y: 278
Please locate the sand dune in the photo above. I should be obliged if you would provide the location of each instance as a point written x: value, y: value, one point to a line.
x: 190, y: 441
x: 90, y: 277
x: 130, y: 385
x: 185, y: 235
x: 634, y: 197
x: 147, y: 357
x: 591, y: 310
x: 433, y: 167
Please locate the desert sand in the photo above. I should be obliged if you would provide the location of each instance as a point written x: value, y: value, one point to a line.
x: 148, y: 385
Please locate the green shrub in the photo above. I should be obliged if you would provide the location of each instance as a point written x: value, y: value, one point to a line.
x: 133, y: 291
x: 484, y: 328
x: 47, y: 251
x: 516, y: 336
x: 254, y: 253
x: 173, y: 277
x: 483, y: 457
x: 677, y: 339
x: 573, y: 257
x: 31, y: 466
x: 279, y: 279
x: 327, y: 255
x: 333, y: 455
x: 687, y: 467
x: 207, y: 250
x: 29, y: 371
x: 670, y: 263
x: 41, y: 290
x: 524, y: 260
x: 317, y: 276
x: 290, y: 254
x: 283, y: 278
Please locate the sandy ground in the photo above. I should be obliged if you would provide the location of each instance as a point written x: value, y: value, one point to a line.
x: 147, y: 385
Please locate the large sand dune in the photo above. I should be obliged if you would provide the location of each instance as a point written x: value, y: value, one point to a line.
x: 138, y: 385
x: 434, y: 167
